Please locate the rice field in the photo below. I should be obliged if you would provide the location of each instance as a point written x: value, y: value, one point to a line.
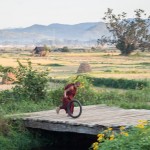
x: 104, y: 65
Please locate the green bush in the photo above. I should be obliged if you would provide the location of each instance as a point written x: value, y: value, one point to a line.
x: 120, y: 83
x: 30, y: 83
x: 17, y: 137
x: 56, y: 96
x: 65, y: 49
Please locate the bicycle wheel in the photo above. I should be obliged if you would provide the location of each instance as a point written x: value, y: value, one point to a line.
x: 77, y: 108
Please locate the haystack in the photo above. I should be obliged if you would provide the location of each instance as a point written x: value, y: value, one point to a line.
x: 84, y: 67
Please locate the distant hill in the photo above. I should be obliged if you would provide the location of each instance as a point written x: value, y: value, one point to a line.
x: 58, y: 32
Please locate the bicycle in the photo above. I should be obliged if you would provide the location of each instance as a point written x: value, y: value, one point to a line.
x: 77, y: 108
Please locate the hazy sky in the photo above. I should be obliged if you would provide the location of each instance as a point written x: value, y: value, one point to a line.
x: 23, y: 13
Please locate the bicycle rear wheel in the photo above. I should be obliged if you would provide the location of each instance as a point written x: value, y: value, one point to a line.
x: 77, y: 111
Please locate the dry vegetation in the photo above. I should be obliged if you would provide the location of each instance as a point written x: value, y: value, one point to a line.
x: 62, y: 65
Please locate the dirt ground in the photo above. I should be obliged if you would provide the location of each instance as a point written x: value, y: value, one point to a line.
x: 6, y: 86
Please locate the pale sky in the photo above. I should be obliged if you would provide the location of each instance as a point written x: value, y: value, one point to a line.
x: 24, y: 13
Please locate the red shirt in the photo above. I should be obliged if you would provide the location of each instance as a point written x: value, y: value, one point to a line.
x: 71, y: 93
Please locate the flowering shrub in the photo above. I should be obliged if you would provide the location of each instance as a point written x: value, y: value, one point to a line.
x: 83, y: 79
x: 85, y: 92
x: 135, y: 138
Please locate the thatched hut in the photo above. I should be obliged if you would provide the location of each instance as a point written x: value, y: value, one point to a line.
x: 41, y: 51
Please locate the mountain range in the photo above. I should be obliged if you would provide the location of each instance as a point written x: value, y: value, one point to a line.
x: 58, y: 33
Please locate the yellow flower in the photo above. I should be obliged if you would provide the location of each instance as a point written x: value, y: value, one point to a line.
x: 122, y: 128
x: 105, y: 130
x: 112, y: 137
x: 124, y: 133
x: 95, y: 147
x: 140, y: 126
x: 99, y: 139
x: 144, y: 122
x: 95, y: 144
x: 110, y: 129
x: 100, y: 135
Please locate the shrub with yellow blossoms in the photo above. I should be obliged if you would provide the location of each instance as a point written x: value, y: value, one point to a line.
x: 108, y: 134
x: 119, y: 137
x: 142, y: 124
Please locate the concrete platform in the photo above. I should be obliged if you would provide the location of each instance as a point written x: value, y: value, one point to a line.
x: 93, y: 119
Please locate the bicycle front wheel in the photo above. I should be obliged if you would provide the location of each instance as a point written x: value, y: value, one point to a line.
x: 75, y: 107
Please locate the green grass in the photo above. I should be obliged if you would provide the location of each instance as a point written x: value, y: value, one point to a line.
x: 145, y: 63
x: 54, y: 65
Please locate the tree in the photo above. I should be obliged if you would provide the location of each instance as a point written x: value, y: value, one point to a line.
x: 65, y: 49
x: 101, y: 41
x: 129, y: 34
